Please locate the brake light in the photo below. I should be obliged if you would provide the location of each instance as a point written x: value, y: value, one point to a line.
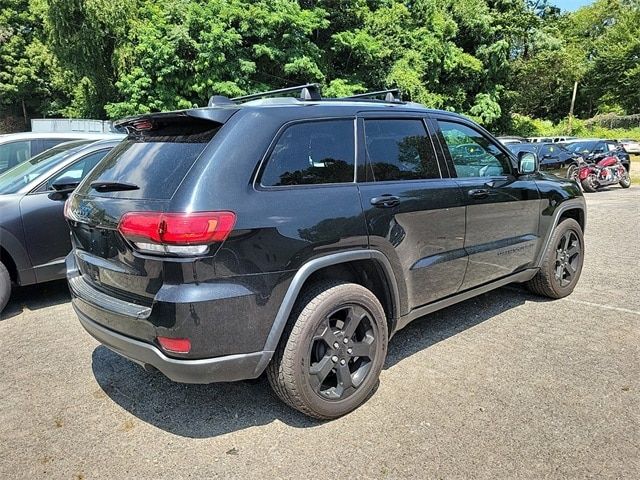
x: 181, y: 233
x: 175, y: 345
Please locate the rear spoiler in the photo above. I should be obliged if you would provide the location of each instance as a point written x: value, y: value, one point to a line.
x: 139, y: 122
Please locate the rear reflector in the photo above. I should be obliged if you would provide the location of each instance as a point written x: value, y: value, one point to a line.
x: 175, y: 345
x: 157, y: 231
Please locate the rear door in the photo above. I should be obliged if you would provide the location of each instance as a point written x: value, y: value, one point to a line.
x: 415, y: 214
x: 502, y: 208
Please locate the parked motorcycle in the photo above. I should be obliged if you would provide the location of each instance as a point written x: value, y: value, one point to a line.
x: 601, y: 170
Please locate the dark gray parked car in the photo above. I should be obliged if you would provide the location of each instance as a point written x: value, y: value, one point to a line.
x: 34, y: 237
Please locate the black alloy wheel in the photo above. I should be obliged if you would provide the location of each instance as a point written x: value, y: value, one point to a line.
x: 331, y: 353
x: 567, y: 258
x: 342, y: 351
x: 561, y: 263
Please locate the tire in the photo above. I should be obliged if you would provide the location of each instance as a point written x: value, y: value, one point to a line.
x: 572, y: 172
x: 307, y: 371
x: 560, y: 258
x: 5, y: 286
x: 589, y: 184
x: 626, y: 181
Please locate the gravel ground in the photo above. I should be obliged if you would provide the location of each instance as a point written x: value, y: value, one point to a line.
x: 506, y: 385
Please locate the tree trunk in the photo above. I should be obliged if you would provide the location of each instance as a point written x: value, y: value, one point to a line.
x: 24, y: 113
x: 573, y: 102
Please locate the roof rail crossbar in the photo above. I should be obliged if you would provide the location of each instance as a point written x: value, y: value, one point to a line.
x: 310, y: 91
x: 391, y: 95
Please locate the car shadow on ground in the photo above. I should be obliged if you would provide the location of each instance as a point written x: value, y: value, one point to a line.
x: 203, y: 411
x: 35, y: 297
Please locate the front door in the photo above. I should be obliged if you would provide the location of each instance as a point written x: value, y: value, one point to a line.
x: 46, y: 230
x: 502, y: 208
x: 415, y: 214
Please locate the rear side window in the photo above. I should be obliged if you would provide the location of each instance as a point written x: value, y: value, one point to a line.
x: 312, y: 153
x: 13, y: 153
x: 156, y: 161
x: 399, y: 150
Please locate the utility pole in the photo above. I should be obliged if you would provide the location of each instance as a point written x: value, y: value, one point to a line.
x: 573, y: 102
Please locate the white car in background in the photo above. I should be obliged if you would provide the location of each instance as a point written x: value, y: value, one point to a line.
x: 630, y: 146
x: 16, y: 148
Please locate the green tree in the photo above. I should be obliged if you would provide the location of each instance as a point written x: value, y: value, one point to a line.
x: 179, y: 53
x: 31, y: 80
x: 84, y: 35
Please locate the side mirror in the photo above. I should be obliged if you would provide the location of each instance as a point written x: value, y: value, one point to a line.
x: 67, y: 184
x: 63, y: 187
x: 527, y: 163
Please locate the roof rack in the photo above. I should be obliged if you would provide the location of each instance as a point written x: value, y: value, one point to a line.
x: 310, y: 91
x: 392, y: 95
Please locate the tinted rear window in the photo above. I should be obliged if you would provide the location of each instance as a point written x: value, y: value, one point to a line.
x: 314, y: 152
x: 155, y: 161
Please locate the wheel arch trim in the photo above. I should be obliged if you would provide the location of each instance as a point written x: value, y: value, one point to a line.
x: 577, y: 203
x: 19, y: 256
x: 303, y: 274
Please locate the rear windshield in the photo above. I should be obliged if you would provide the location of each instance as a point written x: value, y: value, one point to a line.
x: 155, y: 161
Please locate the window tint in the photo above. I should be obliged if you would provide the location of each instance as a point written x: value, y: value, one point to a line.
x: 13, y: 153
x: 399, y: 150
x: 312, y: 153
x: 581, y: 147
x: 473, y: 154
x: 79, y: 169
x: 155, y: 161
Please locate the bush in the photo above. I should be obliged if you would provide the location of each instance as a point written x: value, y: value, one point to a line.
x: 524, y: 126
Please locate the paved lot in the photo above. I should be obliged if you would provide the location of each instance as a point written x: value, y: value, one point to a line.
x: 506, y: 385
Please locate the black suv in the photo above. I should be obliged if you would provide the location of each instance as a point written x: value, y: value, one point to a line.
x: 296, y: 236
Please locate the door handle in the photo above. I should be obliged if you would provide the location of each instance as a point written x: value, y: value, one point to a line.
x: 385, y: 201
x: 479, y: 193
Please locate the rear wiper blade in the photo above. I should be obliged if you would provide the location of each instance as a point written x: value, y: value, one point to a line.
x: 113, y: 186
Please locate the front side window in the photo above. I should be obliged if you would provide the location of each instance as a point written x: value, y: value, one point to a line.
x: 473, y: 154
x: 79, y: 169
x: 549, y: 151
x: 399, y: 149
x: 312, y: 153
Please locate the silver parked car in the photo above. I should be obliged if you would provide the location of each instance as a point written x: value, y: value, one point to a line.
x: 16, y: 148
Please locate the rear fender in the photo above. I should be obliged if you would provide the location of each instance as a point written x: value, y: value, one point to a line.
x: 304, y: 273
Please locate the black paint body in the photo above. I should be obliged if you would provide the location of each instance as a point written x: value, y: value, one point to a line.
x: 436, y: 242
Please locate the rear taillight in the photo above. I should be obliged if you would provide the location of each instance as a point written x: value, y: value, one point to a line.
x: 176, y: 233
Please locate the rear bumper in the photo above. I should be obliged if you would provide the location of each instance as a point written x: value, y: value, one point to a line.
x: 207, y: 370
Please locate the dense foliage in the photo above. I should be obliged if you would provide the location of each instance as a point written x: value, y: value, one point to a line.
x: 486, y: 58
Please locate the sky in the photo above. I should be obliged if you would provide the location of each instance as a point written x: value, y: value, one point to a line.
x: 571, y: 5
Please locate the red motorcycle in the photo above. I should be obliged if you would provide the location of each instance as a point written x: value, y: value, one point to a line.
x: 602, y: 170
